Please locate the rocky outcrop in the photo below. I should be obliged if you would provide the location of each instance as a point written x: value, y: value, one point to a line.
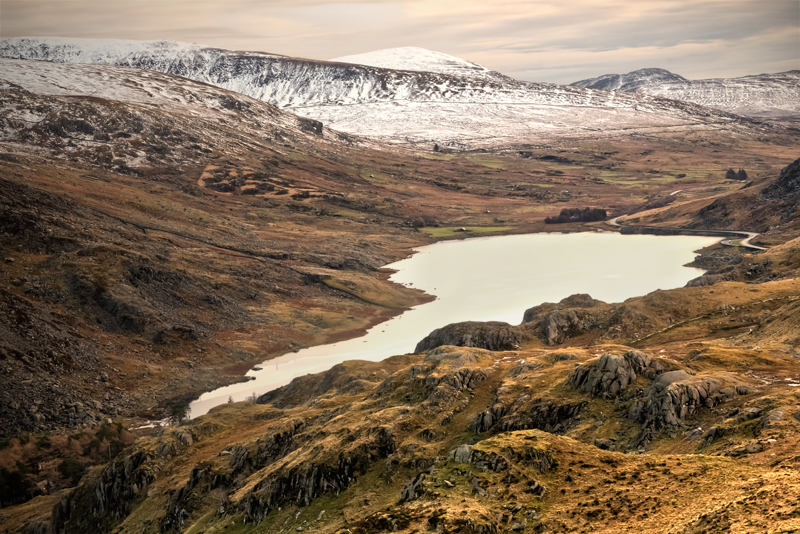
x: 110, y: 498
x: 537, y: 458
x: 461, y: 454
x: 611, y: 373
x: 446, y: 373
x: 541, y: 414
x: 581, y: 314
x: 304, y: 482
x: 672, y: 397
x: 491, y: 335
x: 414, y: 489
x: 709, y: 279
x: 571, y: 317
x: 786, y: 186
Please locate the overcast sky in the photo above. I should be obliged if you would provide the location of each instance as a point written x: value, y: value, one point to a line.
x: 558, y: 41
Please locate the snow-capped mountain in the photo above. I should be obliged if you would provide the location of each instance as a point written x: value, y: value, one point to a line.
x: 761, y: 95
x: 419, y: 60
x: 123, y: 118
x: 397, y: 105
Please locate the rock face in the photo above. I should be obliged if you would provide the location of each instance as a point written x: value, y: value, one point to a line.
x: 786, y: 188
x: 672, y: 397
x: 570, y: 317
x: 540, y: 414
x: 491, y: 335
x: 112, y: 496
x: 611, y: 374
x: 581, y: 314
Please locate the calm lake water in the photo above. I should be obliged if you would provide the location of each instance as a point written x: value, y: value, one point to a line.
x: 492, y: 278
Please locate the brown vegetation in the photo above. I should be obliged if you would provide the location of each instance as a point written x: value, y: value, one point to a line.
x: 129, y: 288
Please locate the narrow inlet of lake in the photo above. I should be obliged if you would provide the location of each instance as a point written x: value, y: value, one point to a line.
x: 491, y: 279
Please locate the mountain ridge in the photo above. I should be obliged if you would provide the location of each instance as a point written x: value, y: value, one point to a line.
x: 759, y: 95
x: 397, y: 105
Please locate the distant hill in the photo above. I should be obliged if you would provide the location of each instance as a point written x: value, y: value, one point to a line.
x: 761, y: 95
x: 419, y: 59
x: 431, y: 104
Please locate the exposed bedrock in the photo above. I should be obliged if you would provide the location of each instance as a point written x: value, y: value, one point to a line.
x: 300, y: 484
x: 491, y: 335
x: 541, y: 414
x: 110, y: 498
x: 611, y: 374
x: 580, y: 314
x: 675, y: 396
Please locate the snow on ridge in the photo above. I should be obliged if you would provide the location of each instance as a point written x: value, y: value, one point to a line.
x: 631, y: 80
x: 78, y: 50
x: 394, y: 104
x: 757, y: 95
x: 415, y: 59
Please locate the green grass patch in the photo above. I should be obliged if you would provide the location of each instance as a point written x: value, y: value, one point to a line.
x: 438, y: 156
x: 487, y: 161
x: 464, y: 231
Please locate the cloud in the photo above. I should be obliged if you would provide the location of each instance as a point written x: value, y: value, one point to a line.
x: 543, y: 40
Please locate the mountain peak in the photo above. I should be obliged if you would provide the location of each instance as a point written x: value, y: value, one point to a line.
x: 416, y: 59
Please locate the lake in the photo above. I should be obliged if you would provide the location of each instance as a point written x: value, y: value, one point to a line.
x: 491, y: 279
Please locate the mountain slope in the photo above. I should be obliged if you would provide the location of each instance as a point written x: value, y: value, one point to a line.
x: 761, y: 95
x: 392, y: 104
x: 139, y: 216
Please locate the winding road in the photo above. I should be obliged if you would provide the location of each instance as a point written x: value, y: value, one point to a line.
x: 733, y: 236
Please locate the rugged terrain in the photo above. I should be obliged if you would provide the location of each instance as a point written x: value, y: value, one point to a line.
x: 674, y: 412
x: 461, y: 110
x: 161, y: 235
x: 761, y: 95
x: 146, y: 215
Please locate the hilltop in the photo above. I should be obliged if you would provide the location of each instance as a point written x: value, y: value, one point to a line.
x: 761, y: 95
x: 419, y: 59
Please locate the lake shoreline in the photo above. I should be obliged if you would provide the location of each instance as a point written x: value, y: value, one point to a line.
x: 496, y: 278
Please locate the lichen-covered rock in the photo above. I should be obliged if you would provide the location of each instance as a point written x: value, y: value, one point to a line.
x: 491, y: 335
x: 461, y: 454
x: 674, y: 396
x: 611, y: 373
